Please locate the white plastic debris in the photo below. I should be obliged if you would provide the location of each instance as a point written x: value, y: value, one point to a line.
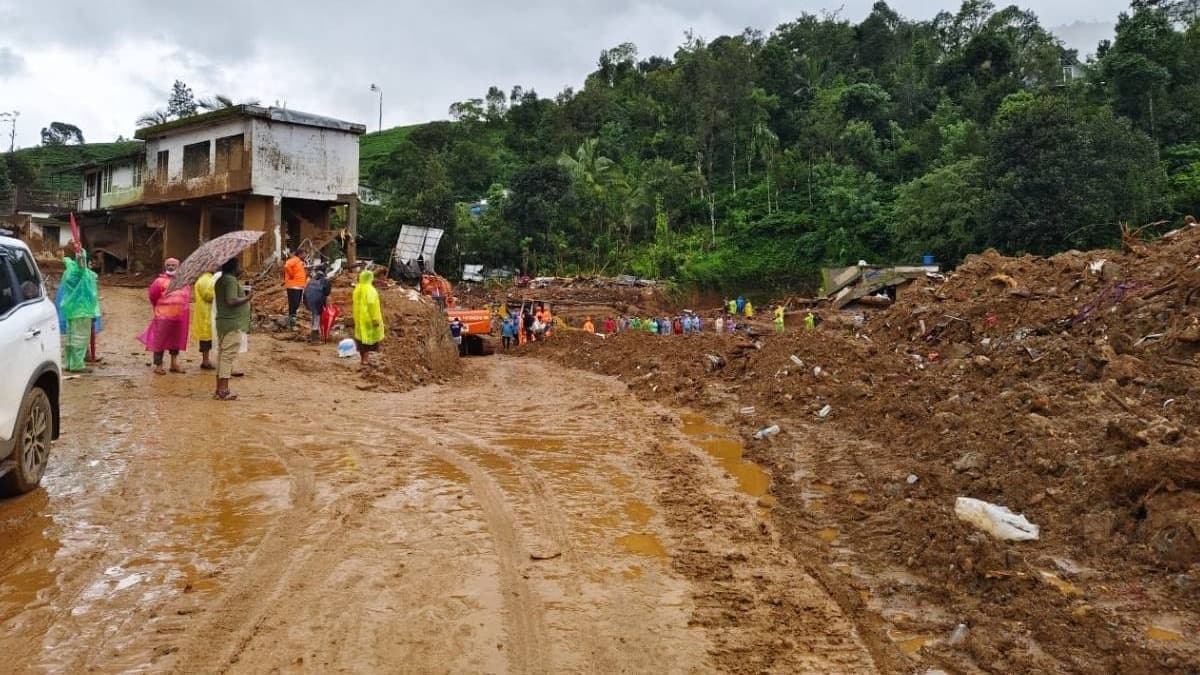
x: 767, y: 431
x: 796, y: 360
x: 346, y: 348
x: 816, y: 371
x: 748, y: 410
x: 825, y: 412
x: 997, y: 521
x: 912, y: 479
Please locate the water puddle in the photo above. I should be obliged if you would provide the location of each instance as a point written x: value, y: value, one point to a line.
x: 1064, y: 587
x: 1159, y: 634
x: 910, y: 644
x: 828, y: 534
x: 643, y: 544
x: 718, y: 442
x: 639, y: 513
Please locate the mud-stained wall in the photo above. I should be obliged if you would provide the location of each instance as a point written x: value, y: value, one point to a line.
x: 303, y: 162
x: 258, y: 214
x: 174, y: 143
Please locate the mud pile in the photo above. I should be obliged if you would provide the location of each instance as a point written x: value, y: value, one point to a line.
x: 416, y: 350
x: 1063, y: 388
x: 570, y: 298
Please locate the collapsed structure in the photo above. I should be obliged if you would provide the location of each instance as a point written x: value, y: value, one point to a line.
x: 245, y: 167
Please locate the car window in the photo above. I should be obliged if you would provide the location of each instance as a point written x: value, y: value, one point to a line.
x: 29, y: 282
x: 8, y: 296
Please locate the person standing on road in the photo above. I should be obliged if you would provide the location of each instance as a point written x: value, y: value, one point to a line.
x: 610, y: 326
x: 232, y: 311
x: 368, y: 316
x: 739, y: 305
x: 295, y: 278
x: 810, y: 321
x: 456, y: 334
x: 202, y: 317
x: 168, y: 329
x: 506, y: 331
x: 778, y: 318
x: 316, y: 293
x: 719, y: 324
x: 78, y: 302
x: 749, y: 310
x: 588, y: 326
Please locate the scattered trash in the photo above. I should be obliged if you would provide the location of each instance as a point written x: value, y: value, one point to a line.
x: 912, y: 479
x: 996, y: 520
x: 767, y: 431
x: 748, y: 410
x: 346, y: 349
x: 825, y: 412
x: 796, y: 360
x: 817, y: 371
x: 959, y: 635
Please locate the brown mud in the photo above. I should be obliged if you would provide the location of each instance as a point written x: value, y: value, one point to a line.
x: 1062, y: 388
x: 521, y: 517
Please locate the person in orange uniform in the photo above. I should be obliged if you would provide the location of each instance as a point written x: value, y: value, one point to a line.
x: 295, y: 278
x: 588, y: 326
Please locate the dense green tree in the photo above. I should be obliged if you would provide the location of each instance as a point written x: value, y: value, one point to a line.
x: 752, y: 159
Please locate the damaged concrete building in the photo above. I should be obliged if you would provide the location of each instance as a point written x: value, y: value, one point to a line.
x: 246, y: 167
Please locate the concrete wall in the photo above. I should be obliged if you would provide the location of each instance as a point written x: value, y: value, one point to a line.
x: 120, y: 192
x: 175, y: 142
x: 290, y: 160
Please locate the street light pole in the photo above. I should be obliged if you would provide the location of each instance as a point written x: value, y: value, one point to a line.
x: 380, y: 90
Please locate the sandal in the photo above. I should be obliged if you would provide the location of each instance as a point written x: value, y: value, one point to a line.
x: 225, y: 396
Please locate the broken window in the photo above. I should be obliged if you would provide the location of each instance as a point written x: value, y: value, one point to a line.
x: 106, y: 180
x: 161, y: 172
x: 230, y: 154
x: 195, y: 160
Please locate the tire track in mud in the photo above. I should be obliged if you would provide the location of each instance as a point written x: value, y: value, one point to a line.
x: 525, y: 615
x: 231, y: 622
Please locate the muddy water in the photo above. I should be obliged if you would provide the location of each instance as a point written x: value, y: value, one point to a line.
x: 723, y: 445
x: 457, y: 528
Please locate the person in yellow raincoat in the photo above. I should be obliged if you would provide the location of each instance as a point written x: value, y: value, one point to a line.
x: 778, y: 318
x: 368, y: 316
x: 202, y: 317
x: 749, y: 310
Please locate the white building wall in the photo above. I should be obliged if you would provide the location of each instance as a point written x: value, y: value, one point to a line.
x: 296, y: 161
x: 177, y: 139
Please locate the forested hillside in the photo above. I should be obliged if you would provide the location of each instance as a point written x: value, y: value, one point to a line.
x: 755, y: 158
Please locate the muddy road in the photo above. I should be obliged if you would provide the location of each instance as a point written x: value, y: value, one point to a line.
x: 526, y: 518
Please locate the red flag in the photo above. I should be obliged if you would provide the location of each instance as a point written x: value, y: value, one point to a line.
x: 75, y: 232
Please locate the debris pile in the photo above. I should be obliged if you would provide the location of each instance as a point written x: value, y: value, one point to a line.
x: 1064, y: 388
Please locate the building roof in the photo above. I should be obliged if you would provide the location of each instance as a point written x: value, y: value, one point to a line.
x: 284, y: 115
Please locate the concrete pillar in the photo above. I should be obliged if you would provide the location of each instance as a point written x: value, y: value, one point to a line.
x: 277, y: 226
x: 352, y: 229
x: 205, y: 224
x: 129, y: 248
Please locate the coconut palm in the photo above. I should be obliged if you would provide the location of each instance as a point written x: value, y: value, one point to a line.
x: 221, y: 101
x: 155, y: 118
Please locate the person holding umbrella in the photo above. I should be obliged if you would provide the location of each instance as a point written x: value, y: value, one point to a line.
x: 233, y: 321
x: 168, y: 330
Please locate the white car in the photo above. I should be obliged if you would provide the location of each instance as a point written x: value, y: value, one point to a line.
x: 30, y: 369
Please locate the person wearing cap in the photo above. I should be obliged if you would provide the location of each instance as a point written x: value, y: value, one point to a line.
x: 168, y: 329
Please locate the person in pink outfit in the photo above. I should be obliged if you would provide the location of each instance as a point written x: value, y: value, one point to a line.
x: 168, y: 330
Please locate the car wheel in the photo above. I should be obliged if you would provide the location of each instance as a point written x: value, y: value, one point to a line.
x: 35, y: 429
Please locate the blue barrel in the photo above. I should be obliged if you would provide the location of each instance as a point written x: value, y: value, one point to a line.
x: 927, y: 259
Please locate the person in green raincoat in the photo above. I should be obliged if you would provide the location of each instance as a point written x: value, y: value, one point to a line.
x: 78, y: 302
x: 779, y: 318
x: 368, y: 316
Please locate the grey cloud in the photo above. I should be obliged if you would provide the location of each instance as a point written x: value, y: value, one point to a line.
x: 11, y: 63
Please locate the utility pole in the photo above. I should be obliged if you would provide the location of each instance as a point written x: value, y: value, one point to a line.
x: 380, y: 90
x: 12, y: 133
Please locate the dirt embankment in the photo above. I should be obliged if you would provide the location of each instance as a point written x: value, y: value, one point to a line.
x: 1062, y: 388
x: 416, y: 350
x: 571, y: 299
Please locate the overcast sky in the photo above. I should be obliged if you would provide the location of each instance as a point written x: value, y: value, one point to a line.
x: 101, y: 65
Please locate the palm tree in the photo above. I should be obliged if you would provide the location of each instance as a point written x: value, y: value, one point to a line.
x: 155, y: 118
x: 221, y: 101
x: 599, y: 177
